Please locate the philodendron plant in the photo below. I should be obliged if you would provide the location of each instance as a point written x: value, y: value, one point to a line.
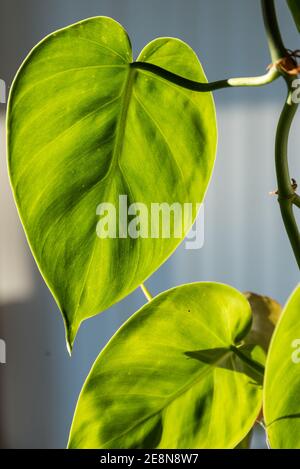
x: 88, y: 126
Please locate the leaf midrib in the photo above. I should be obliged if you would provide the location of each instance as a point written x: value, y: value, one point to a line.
x: 120, y: 131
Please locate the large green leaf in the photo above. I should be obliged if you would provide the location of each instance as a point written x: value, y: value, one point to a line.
x: 295, y: 10
x: 85, y: 127
x: 282, y: 379
x: 174, y: 376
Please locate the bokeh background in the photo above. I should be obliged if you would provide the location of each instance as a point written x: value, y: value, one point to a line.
x: 245, y: 243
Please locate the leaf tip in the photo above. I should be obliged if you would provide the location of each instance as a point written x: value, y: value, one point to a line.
x: 71, y: 332
x: 69, y: 347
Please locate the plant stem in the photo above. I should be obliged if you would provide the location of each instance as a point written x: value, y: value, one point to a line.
x: 285, y: 190
x: 276, y: 46
x: 272, y: 75
x: 286, y: 194
x: 146, y: 292
x: 296, y: 200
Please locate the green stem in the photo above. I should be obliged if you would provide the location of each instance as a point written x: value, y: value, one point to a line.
x: 285, y: 190
x: 146, y: 292
x: 286, y: 194
x: 296, y: 200
x: 205, y: 87
x: 276, y: 46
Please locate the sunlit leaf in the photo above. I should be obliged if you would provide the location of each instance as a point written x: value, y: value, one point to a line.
x: 85, y: 127
x: 175, y: 376
x: 282, y: 379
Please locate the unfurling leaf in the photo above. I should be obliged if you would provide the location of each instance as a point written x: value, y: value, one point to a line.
x: 266, y: 313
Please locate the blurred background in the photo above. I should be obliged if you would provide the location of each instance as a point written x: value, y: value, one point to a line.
x: 245, y: 242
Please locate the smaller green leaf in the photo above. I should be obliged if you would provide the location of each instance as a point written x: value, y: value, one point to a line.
x: 176, y: 375
x: 266, y: 312
x: 282, y: 379
x: 295, y: 10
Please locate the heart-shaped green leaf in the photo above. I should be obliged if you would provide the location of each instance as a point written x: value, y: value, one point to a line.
x: 175, y: 376
x: 295, y: 10
x: 282, y: 379
x: 85, y: 127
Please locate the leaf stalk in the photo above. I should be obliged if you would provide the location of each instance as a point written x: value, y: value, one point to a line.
x: 286, y: 194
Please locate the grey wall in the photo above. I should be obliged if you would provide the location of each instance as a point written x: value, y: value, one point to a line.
x: 245, y: 243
